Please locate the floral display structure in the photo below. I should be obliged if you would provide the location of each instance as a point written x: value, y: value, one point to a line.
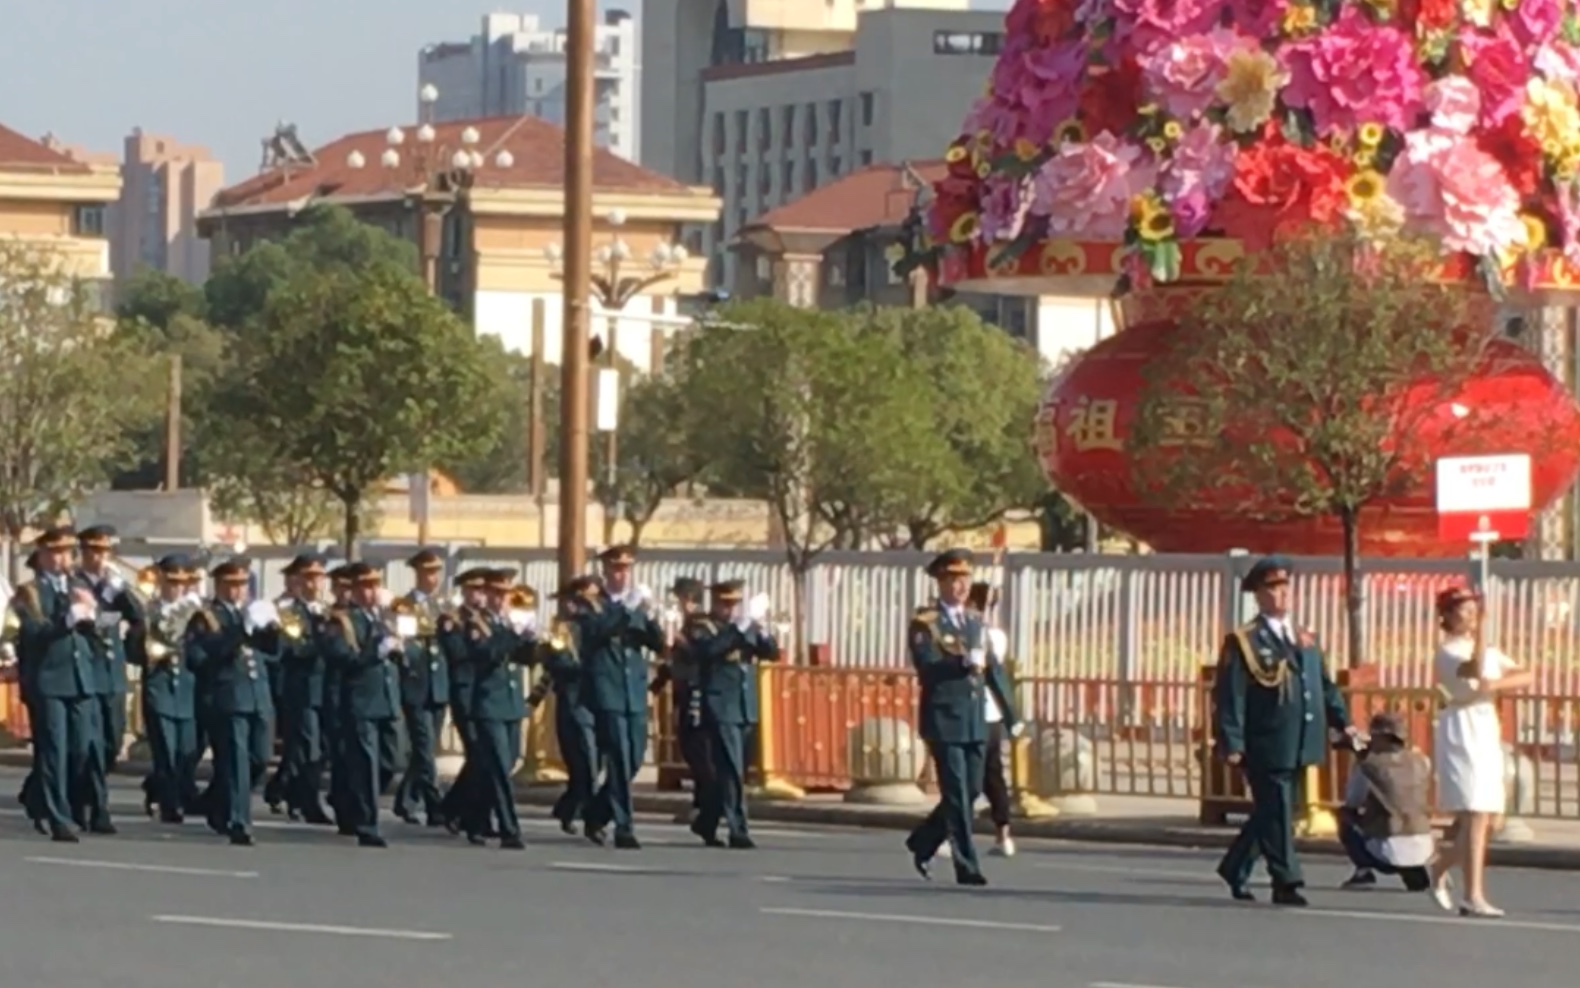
x: 1121, y: 138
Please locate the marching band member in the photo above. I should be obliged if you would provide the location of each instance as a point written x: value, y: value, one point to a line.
x: 952, y: 659
x: 574, y: 726
x: 168, y: 690
x: 332, y: 719
x: 614, y: 636
x: 459, y: 807
x: 302, y: 696
x: 425, y: 692
x: 726, y: 645
x: 679, y: 673
x: 118, y: 606
x: 361, y: 646
x: 496, y: 641
x: 232, y: 644
x: 56, y: 627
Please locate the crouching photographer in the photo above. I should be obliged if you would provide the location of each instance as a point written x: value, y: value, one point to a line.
x: 1386, y: 822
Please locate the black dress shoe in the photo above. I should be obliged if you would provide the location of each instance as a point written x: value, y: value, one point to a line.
x: 568, y: 827
x: 103, y: 828
x: 240, y: 838
x: 743, y: 843
x: 41, y: 827
x: 627, y: 842
x: 972, y: 878
x: 596, y: 835
x: 477, y: 840
x: 317, y: 818
x: 1289, y: 897
x: 148, y: 806
x: 371, y: 840
x: 407, y: 816
x: 171, y: 818
x: 512, y: 843
x: 923, y: 866
x: 62, y: 835
x: 1241, y: 894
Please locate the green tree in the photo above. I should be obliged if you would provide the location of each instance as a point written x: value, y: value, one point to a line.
x: 73, y: 395
x: 350, y: 373
x: 654, y: 455
x: 977, y: 394
x: 1301, y: 387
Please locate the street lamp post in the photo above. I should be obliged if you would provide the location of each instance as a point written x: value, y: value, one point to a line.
x: 613, y: 286
x: 435, y: 178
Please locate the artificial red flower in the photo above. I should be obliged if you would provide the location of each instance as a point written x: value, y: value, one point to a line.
x: 1519, y: 154
x: 1279, y: 187
x: 1432, y: 15
x: 1112, y: 99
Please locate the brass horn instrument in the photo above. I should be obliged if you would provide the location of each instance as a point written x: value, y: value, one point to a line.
x: 169, y: 626
x: 521, y: 598
x: 291, y: 624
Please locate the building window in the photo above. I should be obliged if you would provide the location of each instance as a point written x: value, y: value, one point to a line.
x: 869, y: 108
x: 811, y: 174
x: 87, y: 221
x: 810, y: 131
x: 836, y: 165
x: 967, y: 42
x: 787, y: 125
x: 834, y: 119
x: 787, y: 179
x: 866, y: 157
x: 765, y: 268
x: 741, y: 121
x: 718, y: 133
x: 718, y: 181
x: 742, y: 180
x: 765, y: 128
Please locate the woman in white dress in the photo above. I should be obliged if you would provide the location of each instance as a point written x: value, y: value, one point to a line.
x: 1469, y: 745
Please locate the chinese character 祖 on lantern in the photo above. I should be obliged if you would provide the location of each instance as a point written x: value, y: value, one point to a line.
x: 1094, y: 425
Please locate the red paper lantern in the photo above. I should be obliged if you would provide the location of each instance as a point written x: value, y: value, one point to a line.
x: 1087, y: 412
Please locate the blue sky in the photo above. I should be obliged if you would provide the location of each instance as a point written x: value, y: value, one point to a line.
x: 221, y: 73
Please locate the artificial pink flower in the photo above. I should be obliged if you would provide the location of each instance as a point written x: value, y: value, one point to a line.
x: 1451, y: 189
x: 1498, y: 67
x: 1559, y: 61
x: 1004, y: 205
x: 1085, y: 189
x: 1534, y: 22
x: 1143, y: 26
x: 1039, y: 89
x: 1567, y: 200
x: 1455, y: 104
x: 1355, y: 72
x: 1183, y: 74
x: 1257, y: 18
x: 1196, y: 176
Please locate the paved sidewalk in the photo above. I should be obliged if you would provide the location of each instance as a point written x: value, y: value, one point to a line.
x: 1143, y: 820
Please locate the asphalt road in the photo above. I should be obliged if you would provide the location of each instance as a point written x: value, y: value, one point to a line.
x: 176, y: 907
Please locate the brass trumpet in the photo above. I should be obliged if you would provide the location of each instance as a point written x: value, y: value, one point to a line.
x: 521, y: 598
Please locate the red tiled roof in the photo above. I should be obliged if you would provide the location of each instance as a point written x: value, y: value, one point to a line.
x: 19, y: 153
x: 877, y: 195
x: 537, y: 147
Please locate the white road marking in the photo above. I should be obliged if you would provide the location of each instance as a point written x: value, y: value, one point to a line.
x: 338, y: 931
x: 1460, y: 921
x: 977, y: 924
x: 596, y: 866
x: 1123, y: 984
x: 1137, y: 871
x: 776, y: 878
x: 129, y: 866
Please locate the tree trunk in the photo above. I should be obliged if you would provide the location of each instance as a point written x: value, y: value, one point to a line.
x: 637, y: 527
x: 1354, y: 589
x: 352, y: 529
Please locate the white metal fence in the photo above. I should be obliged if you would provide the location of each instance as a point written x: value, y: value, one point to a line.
x: 1126, y: 617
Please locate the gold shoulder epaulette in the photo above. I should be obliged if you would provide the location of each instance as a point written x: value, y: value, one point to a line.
x: 928, y: 613
x: 27, y: 595
x: 203, y: 620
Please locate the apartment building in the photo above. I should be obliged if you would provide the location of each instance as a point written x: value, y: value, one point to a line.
x: 515, y: 65
x: 51, y: 199
x: 164, y: 186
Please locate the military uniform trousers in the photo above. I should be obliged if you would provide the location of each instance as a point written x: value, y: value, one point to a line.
x: 498, y: 745
x: 112, y: 723
x: 1268, y: 832
x: 241, y: 756
x: 172, y: 742
x: 578, y: 744
x: 370, y: 745
x: 695, y: 749
x: 724, y: 793
x: 459, y: 803
x: 66, y: 741
x: 959, y: 770
x: 622, y: 744
x: 420, y: 783
x: 302, y: 761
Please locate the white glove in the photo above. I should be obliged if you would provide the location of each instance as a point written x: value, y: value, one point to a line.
x: 384, y: 597
x: 642, y: 596
x: 315, y: 608
x: 108, y: 620
x: 1017, y: 730
x: 262, y: 614
x: 389, y: 645
x: 977, y: 658
x: 522, y: 620
x: 757, y: 608
x: 406, y: 625
x: 81, y: 613
x: 113, y: 586
x: 191, y: 597
x: 671, y: 617
x: 997, y: 643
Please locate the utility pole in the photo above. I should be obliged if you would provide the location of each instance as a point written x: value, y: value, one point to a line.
x: 576, y: 287
x: 173, y: 427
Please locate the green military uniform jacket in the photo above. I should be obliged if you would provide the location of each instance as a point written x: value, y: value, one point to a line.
x: 368, y: 681
x: 726, y: 661
x: 1275, y: 702
x: 953, y: 706
x: 169, y: 688
x: 232, y: 663
x: 614, y: 669
x: 115, y: 598
x: 302, y: 665
x: 54, y: 655
x: 560, y: 658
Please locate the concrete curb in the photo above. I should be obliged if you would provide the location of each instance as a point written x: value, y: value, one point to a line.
x: 1088, y: 830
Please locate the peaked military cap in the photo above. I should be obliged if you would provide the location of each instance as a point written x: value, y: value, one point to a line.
x: 952, y: 562
x: 176, y: 568
x: 362, y: 574
x: 338, y: 574
x: 307, y: 564
x: 728, y: 590
x: 617, y: 555
x: 1267, y: 571
x: 55, y: 537
x: 97, y: 537
x: 499, y: 578
x: 231, y: 571
x: 426, y: 559
x: 474, y: 577
x: 687, y: 588
x: 578, y: 586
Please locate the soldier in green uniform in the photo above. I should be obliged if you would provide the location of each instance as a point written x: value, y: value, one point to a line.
x: 497, y: 641
x: 233, y: 644
x: 56, y: 627
x: 574, y: 728
x: 726, y: 645
x: 425, y: 692
x: 361, y: 646
x: 678, y: 672
x: 301, y: 716
x: 950, y: 652
x: 1276, y: 709
x: 460, y: 804
x: 119, y: 611
x: 332, y: 719
x: 168, y: 689
x: 616, y: 630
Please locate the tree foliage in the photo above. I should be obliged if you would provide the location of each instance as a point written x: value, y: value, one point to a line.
x: 348, y: 372
x: 73, y: 393
x: 654, y: 456
x: 1302, y: 386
